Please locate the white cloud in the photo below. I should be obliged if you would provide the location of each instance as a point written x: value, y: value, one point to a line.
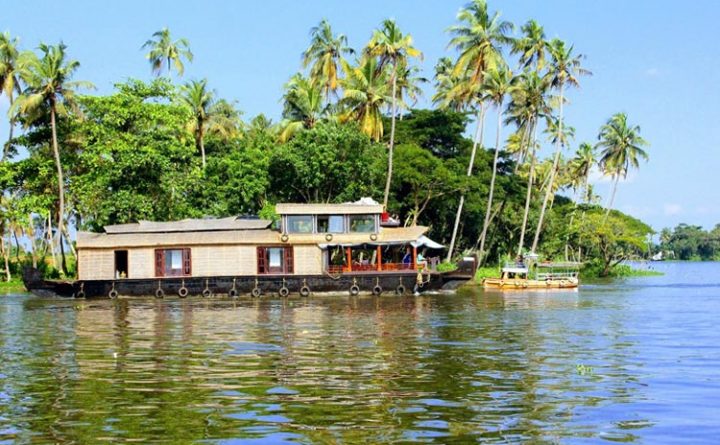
x: 597, y: 177
x: 671, y: 209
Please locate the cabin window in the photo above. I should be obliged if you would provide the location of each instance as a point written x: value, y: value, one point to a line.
x: 172, y: 263
x: 121, y: 264
x: 275, y: 260
x: 362, y: 223
x: 331, y: 224
x: 300, y: 224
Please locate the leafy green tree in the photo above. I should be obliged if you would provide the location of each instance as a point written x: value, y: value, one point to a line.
x: 420, y: 179
x: 564, y: 68
x: 532, y: 46
x: 611, y: 238
x: 328, y: 163
x: 365, y: 93
x: 621, y: 147
x: 11, y: 72
x: 164, y: 53
x: 438, y: 130
x: 136, y: 160
x: 393, y: 48
x: 48, y: 87
x: 324, y: 56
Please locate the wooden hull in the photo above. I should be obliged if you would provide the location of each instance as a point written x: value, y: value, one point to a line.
x: 527, y: 284
x: 266, y: 285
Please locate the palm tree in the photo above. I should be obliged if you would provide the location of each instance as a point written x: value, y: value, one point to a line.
x: 621, y: 146
x: 579, y: 170
x: 166, y: 53
x: 393, y: 48
x: 324, y: 56
x: 10, y: 73
x: 448, y: 87
x: 365, y: 93
x: 564, y: 69
x: 408, y: 86
x: 303, y: 106
x: 496, y: 86
x: 527, y: 106
x: 479, y: 39
x: 532, y: 46
x: 209, y: 115
x: 48, y: 86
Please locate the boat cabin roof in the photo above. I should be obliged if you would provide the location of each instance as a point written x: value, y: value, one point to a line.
x: 359, y: 208
x: 191, y: 225
x: 515, y: 269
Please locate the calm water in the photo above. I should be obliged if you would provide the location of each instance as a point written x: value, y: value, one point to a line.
x: 634, y: 362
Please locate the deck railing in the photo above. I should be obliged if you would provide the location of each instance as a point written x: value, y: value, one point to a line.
x: 384, y: 267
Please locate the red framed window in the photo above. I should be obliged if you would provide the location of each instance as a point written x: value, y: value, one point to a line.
x: 275, y: 260
x: 173, y: 262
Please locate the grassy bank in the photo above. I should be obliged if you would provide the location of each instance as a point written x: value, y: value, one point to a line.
x: 590, y: 271
x: 14, y: 285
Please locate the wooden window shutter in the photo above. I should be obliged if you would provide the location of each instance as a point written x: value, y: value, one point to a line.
x: 187, y: 262
x: 261, y: 260
x: 289, y: 260
x: 159, y: 263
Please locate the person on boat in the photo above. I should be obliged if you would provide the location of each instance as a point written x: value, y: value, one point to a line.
x: 520, y: 260
x: 421, y: 262
x: 407, y: 259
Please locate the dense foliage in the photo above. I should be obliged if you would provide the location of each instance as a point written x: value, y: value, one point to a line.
x: 688, y: 242
x: 165, y: 150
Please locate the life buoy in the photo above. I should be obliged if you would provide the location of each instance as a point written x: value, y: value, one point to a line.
x: 377, y: 290
x: 373, y: 236
x: 113, y: 294
x: 328, y: 237
x: 354, y: 289
x: 284, y: 238
x: 516, y: 283
x: 182, y: 292
x: 525, y: 284
x: 206, y: 293
x: 284, y: 291
x: 563, y: 283
x: 501, y: 283
x: 400, y: 289
x: 232, y: 293
x: 305, y: 291
x: 80, y: 294
x: 256, y: 292
x: 159, y: 293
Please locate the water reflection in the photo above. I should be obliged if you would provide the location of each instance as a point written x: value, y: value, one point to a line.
x: 551, y: 367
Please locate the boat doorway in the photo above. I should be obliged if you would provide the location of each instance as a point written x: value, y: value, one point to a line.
x: 121, y: 264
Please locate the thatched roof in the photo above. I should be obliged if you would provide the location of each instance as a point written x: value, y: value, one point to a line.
x: 328, y: 209
x: 190, y: 225
x: 87, y: 240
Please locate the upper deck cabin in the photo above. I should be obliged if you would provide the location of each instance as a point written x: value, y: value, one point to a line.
x: 312, y: 239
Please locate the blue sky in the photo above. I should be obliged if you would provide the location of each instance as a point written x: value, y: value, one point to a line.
x: 656, y: 60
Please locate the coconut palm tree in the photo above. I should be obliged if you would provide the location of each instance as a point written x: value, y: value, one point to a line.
x: 532, y: 46
x: 365, y: 93
x: 324, y: 56
x: 496, y: 85
x: 479, y: 39
x: 579, y: 168
x: 10, y: 75
x: 564, y: 68
x: 528, y: 104
x: 303, y: 106
x: 209, y: 115
x: 164, y: 52
x: 392, y: 48
x: 408, y: 86
x: 449, y: 88
x: 621, y: 146
x: 48, y: 87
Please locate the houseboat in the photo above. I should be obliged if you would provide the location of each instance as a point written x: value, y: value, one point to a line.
x: 531, y: 275
x: 349, y: 248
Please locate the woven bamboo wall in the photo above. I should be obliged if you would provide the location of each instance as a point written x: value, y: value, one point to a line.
x: 308, y: 260
x: 96, y: 264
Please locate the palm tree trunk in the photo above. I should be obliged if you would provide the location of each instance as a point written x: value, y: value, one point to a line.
x: 31, y: 237
x: 553, y: 173
x: 392, y: 137
x: 202, y: 149
x: 6, y: 148
x: 612, y: 197
x: 529, y: 187
x: 61, y: 181
x: 6, y: 256
x: 486, y: 223
x: 478, y: 140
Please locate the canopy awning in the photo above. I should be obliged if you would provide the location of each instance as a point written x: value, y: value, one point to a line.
x: 424, y: 241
